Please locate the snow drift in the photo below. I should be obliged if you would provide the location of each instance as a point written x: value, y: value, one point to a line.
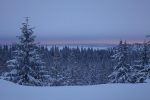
x: 11, y: 91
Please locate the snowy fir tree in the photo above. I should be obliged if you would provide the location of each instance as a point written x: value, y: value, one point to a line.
x: 144, y: 71
x: 56, y: 70
x: 26, y: 67
x: 145, y: 57
x: 75, y: 70
x: 141, y: 71
x: 121, y: 71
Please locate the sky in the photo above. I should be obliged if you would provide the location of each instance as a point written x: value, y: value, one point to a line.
x: 77, y: 20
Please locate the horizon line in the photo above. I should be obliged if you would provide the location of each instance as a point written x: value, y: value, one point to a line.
x: 76, y: 42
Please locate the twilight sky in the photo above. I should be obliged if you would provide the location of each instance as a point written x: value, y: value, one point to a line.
x: 77, y: 20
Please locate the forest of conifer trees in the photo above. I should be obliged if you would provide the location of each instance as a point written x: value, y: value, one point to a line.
x: 29, y: 63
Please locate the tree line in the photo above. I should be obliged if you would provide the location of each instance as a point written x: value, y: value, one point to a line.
x: 29, y: 63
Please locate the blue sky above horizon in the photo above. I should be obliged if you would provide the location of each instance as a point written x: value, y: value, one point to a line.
x: 77, y: 20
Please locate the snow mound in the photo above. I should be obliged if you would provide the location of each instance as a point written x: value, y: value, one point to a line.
x: 148, y: 81
x: 11, y: 91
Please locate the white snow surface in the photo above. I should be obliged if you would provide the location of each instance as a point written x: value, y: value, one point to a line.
x: 11, y: 91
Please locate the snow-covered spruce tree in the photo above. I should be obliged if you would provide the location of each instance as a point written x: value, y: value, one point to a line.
x: 145, y: 57
x: 56, y: 70
x: 145, y: 60
x: 26, y: 67
x: 121, y: 71
x: 141, y: 71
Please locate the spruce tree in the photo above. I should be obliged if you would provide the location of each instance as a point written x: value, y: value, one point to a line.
x: 121, y: 71
x: 141, y: 71
x: 56, y: 70
x: 26, y: 67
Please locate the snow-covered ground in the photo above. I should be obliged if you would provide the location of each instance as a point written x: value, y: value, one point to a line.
x: 11, y: 91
